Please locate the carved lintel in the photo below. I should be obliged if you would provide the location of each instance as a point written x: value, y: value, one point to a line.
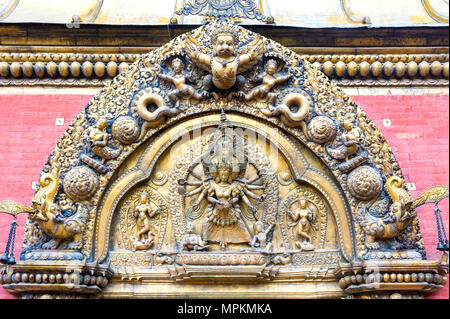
x: 222, y: 273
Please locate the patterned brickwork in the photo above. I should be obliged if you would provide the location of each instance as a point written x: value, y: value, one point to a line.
x: 418, y: 136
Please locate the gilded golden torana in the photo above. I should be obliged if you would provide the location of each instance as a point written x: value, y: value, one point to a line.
x: 223, y: 165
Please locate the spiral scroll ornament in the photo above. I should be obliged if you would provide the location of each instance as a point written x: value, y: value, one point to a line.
x: 125, y: 129
x: 321, y: 129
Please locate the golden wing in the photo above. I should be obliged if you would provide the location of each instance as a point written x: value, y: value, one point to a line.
x: 13, y: 208
x: 431, y: 195
x: 192, y: 47
x: 256, y: 49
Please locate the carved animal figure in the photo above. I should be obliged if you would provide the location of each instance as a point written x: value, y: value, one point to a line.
x: 45, y: 195
x: 152, y: 108
x: 49, y: 218
x: 293, y: 110
x: 394, y: 222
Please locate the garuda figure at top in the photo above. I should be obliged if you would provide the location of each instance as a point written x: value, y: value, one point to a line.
x: 224, y: 62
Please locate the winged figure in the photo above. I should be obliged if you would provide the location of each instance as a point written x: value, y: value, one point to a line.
x: 223, y: 61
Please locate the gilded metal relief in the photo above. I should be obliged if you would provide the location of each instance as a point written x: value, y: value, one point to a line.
x: 143, y: 220
x: 184, y: 165
x: 304, y: 219
x: 225, y: 185
x: 312, y: 104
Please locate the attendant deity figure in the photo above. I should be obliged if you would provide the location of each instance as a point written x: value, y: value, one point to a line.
x: 260, y: 238
x: 192, y: 241
x: 269, y: 80
x: 350, y: 142
x: 224, y: 63
x: 143, y: 212
x: 179, y: 79
x: 99, y: 138
x: 303, y: 219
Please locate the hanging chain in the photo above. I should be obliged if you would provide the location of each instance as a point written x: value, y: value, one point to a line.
x: 13, y: 237
x: 442, y: 235
x: 8, y: 243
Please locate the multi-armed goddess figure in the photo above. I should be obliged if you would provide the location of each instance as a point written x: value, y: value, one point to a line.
x: 225, y: 190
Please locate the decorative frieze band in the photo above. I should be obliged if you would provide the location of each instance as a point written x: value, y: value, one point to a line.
x: 84, y: 70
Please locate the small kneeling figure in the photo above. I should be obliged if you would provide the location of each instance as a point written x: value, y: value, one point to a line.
x: 260, y: 238
x: 192, y: 241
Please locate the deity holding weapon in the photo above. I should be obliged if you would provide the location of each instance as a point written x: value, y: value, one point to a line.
x: 225, y: 190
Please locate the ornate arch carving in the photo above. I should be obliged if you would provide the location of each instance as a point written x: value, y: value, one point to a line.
x: 336, y: 179
x: 302, y: 172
